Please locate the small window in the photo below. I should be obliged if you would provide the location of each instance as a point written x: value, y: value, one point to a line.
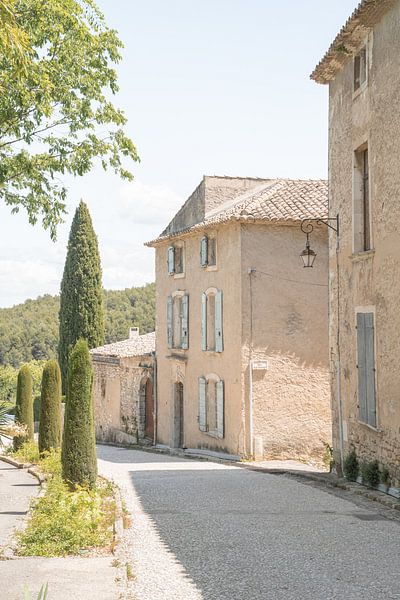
x: 212, y: 406
x: 175, y: 260
x: 361, y: 202
x: 360, y: 68
x: 366, y: 368
x: 208, y: 251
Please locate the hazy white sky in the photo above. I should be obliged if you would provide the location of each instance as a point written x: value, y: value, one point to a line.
x: 209, y: 87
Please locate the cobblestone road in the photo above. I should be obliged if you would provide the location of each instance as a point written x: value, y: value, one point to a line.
x: 206, y: 531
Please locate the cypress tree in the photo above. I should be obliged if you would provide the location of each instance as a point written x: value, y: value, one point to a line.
x: 81, y: 301
x: 78, y: 455
x: 50, y: 407
x: 24, y: 405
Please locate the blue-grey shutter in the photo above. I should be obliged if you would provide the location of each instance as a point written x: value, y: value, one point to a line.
x: 185, y: 322
x: 204, y: 321
x: 202, y: 404
x: 171, y: 260
x: 370, y: 368
x: 219, y: 390
x: 204, y: 251
x: 361, y: 366
x: 170, y: 320
x: 219, y: 339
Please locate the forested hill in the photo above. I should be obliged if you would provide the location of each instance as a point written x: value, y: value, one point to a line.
x: 30, y: 330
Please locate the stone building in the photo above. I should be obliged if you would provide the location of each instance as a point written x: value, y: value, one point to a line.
x: 242, y: 332
x: 123, y: 390
x: 362, y: 69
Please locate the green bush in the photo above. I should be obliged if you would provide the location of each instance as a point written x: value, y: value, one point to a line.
x: 351, y: 466
x: 370, y: 473
x: 36, y: 409
x: 24, y: 405
x: 385, y: 476
x: 50, y: 408
x: 78, y: 456
x: 28, y: 452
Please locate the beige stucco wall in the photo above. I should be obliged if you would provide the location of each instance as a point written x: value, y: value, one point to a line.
x: 285, y: 323
x: 118, y: 402
x: 188, y: 365
x: 373, y: 279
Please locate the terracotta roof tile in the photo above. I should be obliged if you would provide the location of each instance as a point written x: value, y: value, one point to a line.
x: 136, y: 346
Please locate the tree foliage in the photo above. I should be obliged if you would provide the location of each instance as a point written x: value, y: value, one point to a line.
x: 78, y: 455
x: 30, y: 330
x: 50, y: 408
x: 24, y: 405
x: 56, y: 117
x: 81, y: 300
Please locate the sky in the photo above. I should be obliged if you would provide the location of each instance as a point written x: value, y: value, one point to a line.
x: 215, y: 87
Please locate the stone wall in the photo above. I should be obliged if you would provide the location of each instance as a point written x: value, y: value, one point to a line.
x: 369, y: 279
x: 118, y: 395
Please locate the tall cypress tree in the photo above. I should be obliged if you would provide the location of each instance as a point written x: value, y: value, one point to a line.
x: 24, y: 406
x: 78, y: 454
x: 81, y: 301
x: 50, y: 407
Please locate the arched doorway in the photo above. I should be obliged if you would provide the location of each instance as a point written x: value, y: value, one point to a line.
x: 149, y: 410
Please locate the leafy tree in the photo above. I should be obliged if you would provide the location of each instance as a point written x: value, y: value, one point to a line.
x: 56, y: 117
x: 24, y: 406
x: 81, y: 300
x: 78, y: 455
x: 30, y: 330
x: 50, y: 407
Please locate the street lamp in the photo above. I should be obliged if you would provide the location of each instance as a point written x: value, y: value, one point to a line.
x: 308, y: 255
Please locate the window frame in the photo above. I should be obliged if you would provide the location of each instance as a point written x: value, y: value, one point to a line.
x: 362, y: 225
x: 205, y: 250
x: 218, y: 431
x: 183, y: 323
x: 172, y: 258
x: 218, y: 320
x: 360, y: 58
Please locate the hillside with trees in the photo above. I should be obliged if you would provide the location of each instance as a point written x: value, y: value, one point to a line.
x: 29, y: 331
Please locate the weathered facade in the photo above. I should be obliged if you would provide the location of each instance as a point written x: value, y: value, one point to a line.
x: 242, y: 335
x: 123, y: 390
x: 362, y: 70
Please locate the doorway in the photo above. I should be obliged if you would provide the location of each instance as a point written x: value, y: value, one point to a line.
x: 149, y: 410
x: 178, y: 416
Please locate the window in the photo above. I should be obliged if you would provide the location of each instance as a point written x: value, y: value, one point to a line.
x: 175, y: 259
x: 211, y: 320
x: 366, y: 368
x: 361, y: 202
x: 360, y: 68
x: 208, y: 251
x: 178, y: 321
x: 212, y: 405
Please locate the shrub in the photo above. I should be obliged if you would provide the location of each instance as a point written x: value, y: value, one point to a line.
x: 28, y: 452
x: 24, y: 405
x: 50, y: 408
x: 370, y: 473
x: 78, y: 456
x: 351, y: 466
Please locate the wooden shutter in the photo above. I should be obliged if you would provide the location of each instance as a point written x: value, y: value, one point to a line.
x: 185, y: 322
x: 219, y: 342
x: 204, y: 321
x: 361, y: 366
x: 171, y: 260
x: 202, y: 404
x: 219, y: 392
x: 170, y: 320
x: 204, y: 251
x: 370, y: 368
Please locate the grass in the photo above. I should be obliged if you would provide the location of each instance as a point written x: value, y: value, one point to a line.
x: 64, y: 521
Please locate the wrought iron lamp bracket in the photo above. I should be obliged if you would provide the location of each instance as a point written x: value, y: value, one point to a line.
x: 307, y: 226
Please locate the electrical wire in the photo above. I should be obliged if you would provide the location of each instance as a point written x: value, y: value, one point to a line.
x: 291, y: 280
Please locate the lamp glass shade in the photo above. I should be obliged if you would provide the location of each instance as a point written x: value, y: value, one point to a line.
x: 308, y: 256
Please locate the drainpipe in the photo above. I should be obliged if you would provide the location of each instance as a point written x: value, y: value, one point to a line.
x: 155, y: 394
x: 251, y: 271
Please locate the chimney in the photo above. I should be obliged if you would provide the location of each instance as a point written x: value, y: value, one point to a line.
x: 133, y: 332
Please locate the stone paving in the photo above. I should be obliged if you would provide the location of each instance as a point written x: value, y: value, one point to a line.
x: 17, y: 487
x: 209, y: 531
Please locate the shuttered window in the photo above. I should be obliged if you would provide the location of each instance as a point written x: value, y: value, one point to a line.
x: 175, y: 260
x: 185, y: 322
x: 178, y: 321
x: 366, y: 368
x: 170, y: 317
x: 208, y: 251
x: 212, y: 321
x: 204, y: 251
x: 171, y: 260
x: 212, y: 407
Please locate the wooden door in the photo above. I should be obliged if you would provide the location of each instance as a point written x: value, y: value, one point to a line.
x: 149, y: 410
